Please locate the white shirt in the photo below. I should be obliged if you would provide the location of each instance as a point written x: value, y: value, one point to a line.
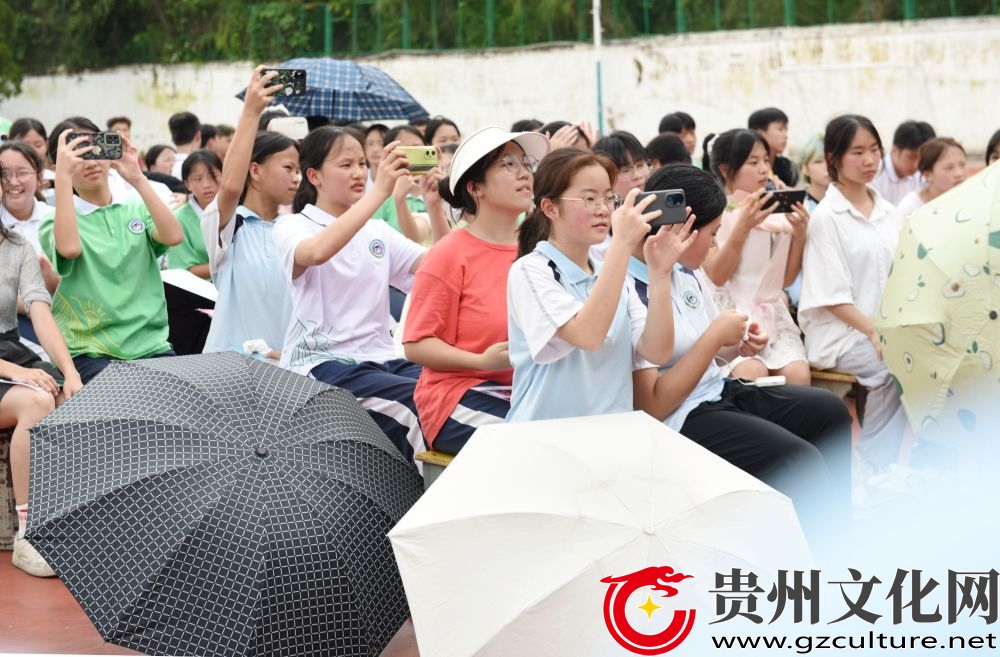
x: 340, y: 309
x: 910, y: 204
x: 847, y: 259
x: 122, y: 189
x: 29, y: 227
x: 178, y: 163
x: 890, y: 186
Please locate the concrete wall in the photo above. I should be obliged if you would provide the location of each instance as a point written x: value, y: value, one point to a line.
x: 943, y: 71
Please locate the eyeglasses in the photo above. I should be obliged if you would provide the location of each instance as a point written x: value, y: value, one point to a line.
x: 514, y: 164
x: 593, y: 204
x: 20, y: 174
x: 639, y: 168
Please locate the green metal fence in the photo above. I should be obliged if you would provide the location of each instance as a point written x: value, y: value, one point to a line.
x: 358, y: 27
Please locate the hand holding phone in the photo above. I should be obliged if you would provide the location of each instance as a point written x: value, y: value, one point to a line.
x: 783, y: 200
x: 670, y: 202
x: 103, y: 145
x: 292, y: 81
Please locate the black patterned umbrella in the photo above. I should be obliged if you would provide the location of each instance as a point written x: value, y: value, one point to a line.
x: 217, y: 505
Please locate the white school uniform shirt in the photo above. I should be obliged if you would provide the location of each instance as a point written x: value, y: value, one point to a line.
x: 29, y: 227
x: 552, y: 378
x: 890, y: 186
x: 694, y: 311
x: 847, y: 259
x: 178, y: 165
x: 340, y: 309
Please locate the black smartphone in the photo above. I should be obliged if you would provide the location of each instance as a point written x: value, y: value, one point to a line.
x: 782, y: 200
x: 292, y: 81
x: 672, y: 204
x: 104, y: 145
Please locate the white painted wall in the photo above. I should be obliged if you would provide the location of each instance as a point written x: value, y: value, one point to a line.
x: 943, y: 71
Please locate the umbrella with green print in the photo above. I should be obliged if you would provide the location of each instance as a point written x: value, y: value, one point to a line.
x: 939, y: 321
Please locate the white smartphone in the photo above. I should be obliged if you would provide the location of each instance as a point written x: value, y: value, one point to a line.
x: 768, y: 381
x: 295, y: 127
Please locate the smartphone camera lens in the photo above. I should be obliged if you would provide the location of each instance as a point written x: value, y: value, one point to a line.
x: 674, y: 200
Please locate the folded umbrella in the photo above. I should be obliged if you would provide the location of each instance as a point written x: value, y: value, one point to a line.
x: 217, y: 505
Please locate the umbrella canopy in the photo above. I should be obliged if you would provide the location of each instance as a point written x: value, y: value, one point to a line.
x: 517, y: 544
x: 217, y: 505
x: 347, y: 91
x: 939, y: 320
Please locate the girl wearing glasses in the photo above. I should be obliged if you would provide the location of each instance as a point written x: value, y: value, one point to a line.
x: 457, y: 324
x: 576, y: 336
x: 340, y: 266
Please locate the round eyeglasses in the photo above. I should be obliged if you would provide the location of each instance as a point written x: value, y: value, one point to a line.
x: 514, y: 164
x: 593, y: 203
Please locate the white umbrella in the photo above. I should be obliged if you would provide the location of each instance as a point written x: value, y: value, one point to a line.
x: 505, y: 553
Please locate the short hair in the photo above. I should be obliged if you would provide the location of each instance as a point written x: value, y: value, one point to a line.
x: 932, y: 150
x: 225, y: 130
x: 154, y: 152
x: 837, y: 139
x: 200, y: 156
x: 676, y: 122
x: 668, y: 148
x: 267, y: 116
x: 910, y: 135
x: 762, y: 118
x: 208, y: 133
x: 622, y: 148
x: 992, y: 145
x: 22, y: 127
x: 394, y: 132
x: 436, y: 124
x: 77, y: 124
x: 702, y: 191
x: 184, y: 127
x: 526, y: 125
x: 119, y: 119
x: 810, y: 149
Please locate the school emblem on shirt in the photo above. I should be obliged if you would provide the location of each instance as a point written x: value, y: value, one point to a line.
x: 692, y: 299
x: 377, y: 247
x: 137, y: 226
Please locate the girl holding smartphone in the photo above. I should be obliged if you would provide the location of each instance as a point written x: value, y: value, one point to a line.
x: 757, y: 255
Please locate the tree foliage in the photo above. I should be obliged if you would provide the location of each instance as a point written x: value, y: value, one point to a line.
x: 70, y: 35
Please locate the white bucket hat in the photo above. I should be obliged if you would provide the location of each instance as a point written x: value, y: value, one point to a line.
x: 479, y: 143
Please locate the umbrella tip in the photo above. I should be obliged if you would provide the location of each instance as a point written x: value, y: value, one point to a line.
x: 261, y: 452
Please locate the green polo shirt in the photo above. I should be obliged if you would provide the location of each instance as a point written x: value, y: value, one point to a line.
x: 110, y: 301
x: 191, y: 251
x: 387, y: 211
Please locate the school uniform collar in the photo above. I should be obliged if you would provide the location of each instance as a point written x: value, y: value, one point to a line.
x: 86, y: 207
x: 839, y: 203
x: 247, y: 213
x: 567, y: 268
x: 315, y: 215
x: 38, y: 213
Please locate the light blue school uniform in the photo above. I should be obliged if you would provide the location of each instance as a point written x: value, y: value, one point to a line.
x: 694, y: 311
x: 552, y: 378
x: 254, y: 298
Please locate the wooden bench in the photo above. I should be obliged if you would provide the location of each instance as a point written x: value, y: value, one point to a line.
x: 841, y: 385
x: 434, y: 465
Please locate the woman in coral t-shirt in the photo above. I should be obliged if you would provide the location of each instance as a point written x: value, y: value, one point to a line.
x: 457, y: 322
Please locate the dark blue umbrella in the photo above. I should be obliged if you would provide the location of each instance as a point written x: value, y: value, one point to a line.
x: 343, y: 90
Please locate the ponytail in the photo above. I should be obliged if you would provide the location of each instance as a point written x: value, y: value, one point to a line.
x: 532, y: 230
x: 706, y: 158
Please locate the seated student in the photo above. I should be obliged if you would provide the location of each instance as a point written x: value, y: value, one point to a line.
x: 457, y: 324
x: 440, y: 131
x: 340, y: 265
x: 850, y: 245
x: 667, y: 148
x: 575, y: 336
x: 23, y: 406
x: 202, y: 171
x: 32, y: 132
x: 772, y: 123
x: 900, y: 173
x: 942, y: 166
x: 795, y: 438
x: 681, y: 124
x: 261, y: 172
x: 813, y: 172
x: 109, y: 304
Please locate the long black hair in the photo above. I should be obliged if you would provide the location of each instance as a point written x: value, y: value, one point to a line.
x: 702, y: 191
x: 730, y: 149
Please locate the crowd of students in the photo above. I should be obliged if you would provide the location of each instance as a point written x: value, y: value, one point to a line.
x: 535, y: 286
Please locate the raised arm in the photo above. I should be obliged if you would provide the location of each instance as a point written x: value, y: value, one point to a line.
x: 65, y: 231
x: 722, y: 262
x: 168, y: 230
x: 237, y: 164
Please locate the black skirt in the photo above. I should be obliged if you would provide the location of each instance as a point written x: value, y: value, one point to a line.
x: 14, y: 351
